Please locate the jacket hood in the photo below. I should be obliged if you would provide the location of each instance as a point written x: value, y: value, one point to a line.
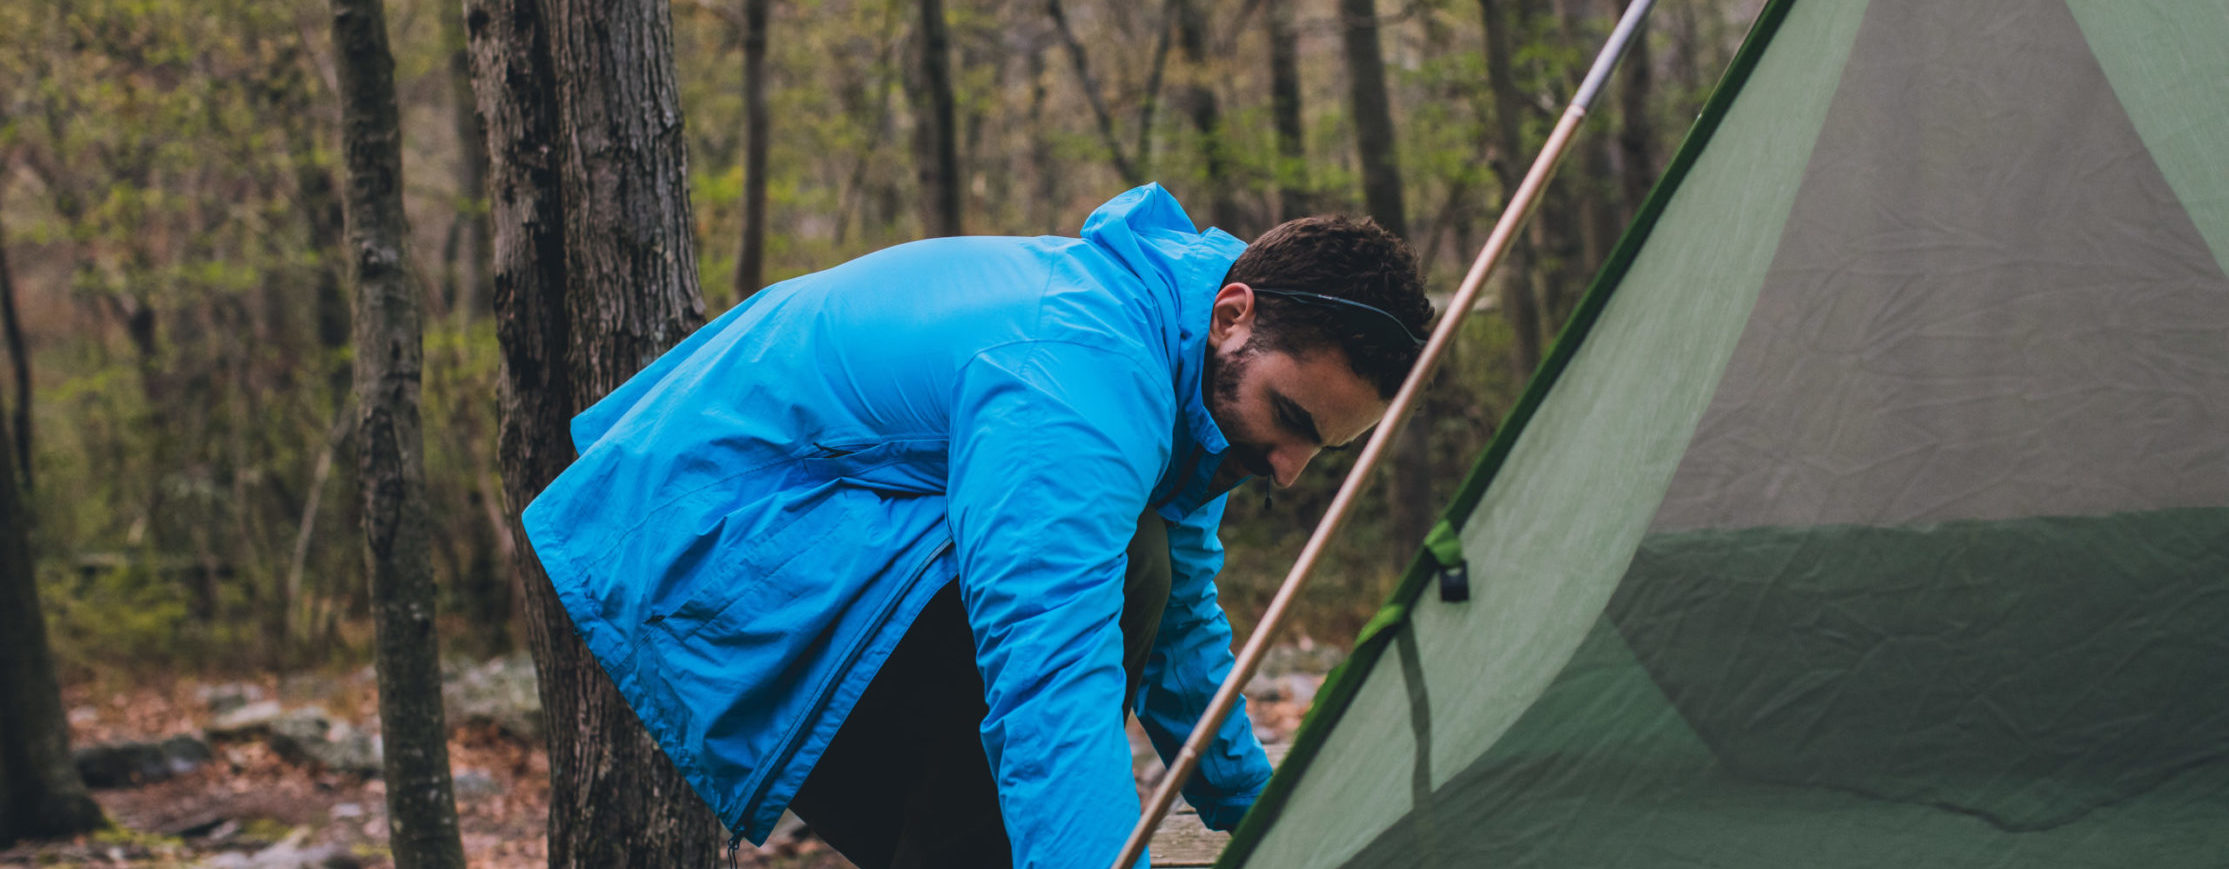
x: 1146, y: 231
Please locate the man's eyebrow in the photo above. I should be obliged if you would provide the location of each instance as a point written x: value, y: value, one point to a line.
x: 1295, y: 417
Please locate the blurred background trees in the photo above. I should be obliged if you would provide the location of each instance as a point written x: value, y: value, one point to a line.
x: 179, y: 320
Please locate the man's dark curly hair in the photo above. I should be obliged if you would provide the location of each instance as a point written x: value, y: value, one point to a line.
x: 1347, y: 258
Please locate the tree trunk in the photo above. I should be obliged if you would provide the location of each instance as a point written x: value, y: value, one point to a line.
x: 1293, y: 199
x: 421, y: 811
x: 1207, y: 114
x: 939, y: 160
x: 468, y: 289
x: 750, y: 270
x: 1579, y: 215
x: 41, y: 792
x: 594, y: 276
x: 1409, y: 480
x: 19, y: 361
x: 1517, y: 299
x: 1636, y: 129
x: 1373, y: 116
x: 1150, y: 99
x: 321, y: 210
x: 289, y: 101
x: 1044, y: 169
x: 41, y: 795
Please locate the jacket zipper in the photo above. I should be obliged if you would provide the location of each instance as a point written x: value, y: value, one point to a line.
x: 851, y: 657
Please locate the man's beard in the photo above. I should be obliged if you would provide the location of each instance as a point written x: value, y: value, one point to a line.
x: 1222, y: 378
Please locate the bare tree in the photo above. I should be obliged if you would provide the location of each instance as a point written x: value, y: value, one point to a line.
x: 1409, y: 481
x: 1373, y: 115
x: 750, y: 271
x: 1293, y: 199
x: 465, y: 256
x: 594, y: 276
x: 1636, y: 129
x: 288, y: 96
x: 938, y: 159
x: 40, y: 792
x: 398, y: 534
x: 1583, y: 214
x: 1045, y: 199
x: 19, y: 361
x: 1517, y: 300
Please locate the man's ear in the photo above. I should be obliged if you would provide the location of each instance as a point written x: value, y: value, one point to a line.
x: 1232, y: 319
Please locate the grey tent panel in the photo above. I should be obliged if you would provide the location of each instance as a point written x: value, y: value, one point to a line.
x: 1988, y: 303
x: 1940, y: 536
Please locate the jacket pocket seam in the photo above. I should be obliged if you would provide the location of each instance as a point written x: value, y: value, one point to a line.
x: 742, y: 581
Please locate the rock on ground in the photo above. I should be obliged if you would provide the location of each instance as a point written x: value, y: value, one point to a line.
x: 500, y: 692
x: 127, y: 764
x: 307, y: 736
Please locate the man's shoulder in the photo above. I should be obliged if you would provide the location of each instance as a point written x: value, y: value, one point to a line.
x: 971, y: 293
x: 1092, y: 300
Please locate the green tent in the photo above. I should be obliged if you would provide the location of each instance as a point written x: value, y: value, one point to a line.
x: 1873, y: 510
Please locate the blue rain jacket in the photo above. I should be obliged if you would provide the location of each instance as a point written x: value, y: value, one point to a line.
x: 756, y: 517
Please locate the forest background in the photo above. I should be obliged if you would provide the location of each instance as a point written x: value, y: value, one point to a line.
x: 180, y: 416
x: 178, y: 329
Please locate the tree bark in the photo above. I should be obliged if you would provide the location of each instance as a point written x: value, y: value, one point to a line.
x: 1636, y: 129
x: 594, y: 276
x: 1373, y: 116
x: 939, y: 162
x: 750, y: 270
x: 1583, y: 213
x: 1045, y: 172
x: 321, y: 210
x: 1293, y: 199
x: 468, y: 289
x: 1149, y: 99
x: 1517, y: 299
x: 41, y: 795
x: 398, y: 533
x: 326, y: 228
x: 1409, y: 481
x: 19, y: 362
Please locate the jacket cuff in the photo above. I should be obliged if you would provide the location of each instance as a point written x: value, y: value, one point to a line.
x: 1224, y: 813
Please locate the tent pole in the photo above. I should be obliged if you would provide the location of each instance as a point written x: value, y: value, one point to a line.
x: 1505, y: 231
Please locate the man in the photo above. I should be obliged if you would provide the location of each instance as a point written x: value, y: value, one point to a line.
x: 897, y: 544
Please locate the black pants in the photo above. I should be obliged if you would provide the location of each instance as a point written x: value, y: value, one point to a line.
x: 905, y: 783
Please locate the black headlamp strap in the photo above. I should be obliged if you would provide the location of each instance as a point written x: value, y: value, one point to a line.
x: 1335, y: 300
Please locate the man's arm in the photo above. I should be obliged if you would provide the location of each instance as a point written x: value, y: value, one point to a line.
x: 1191, y: 655
x: 1054, y: 447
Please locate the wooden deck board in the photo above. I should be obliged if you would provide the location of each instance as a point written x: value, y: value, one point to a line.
x: 1182, y: 840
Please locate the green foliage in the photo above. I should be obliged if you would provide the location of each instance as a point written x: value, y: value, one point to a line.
x: 172, y: 226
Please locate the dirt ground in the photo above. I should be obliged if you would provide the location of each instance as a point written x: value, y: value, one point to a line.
x: 250, y: 809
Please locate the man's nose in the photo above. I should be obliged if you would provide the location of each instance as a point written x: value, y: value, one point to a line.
x: 1286, y: 462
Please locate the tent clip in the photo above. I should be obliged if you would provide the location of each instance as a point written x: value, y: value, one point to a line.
x: 1455, y: 571
x: 1455, y: 583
